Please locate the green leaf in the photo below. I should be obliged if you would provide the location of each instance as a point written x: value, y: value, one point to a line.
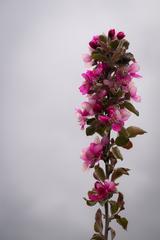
x: 90, y: 130
x: 103, y: 38
x: 130, y: 107
x: 89, y: 203
x: 113, y: 206
x: 128, y: 145
x: 100, y: 129
x: 125, y: 44
x: 114, y: 44
x: 97, y: 237
x: 99, y: 172
x: 118, y: 172
x: 113, y: 233
x: 126, y: 58
x: 90, y: 121
x: 134, y: 131
x: 98, y: 56
x: 98, y: 226
x: 121, y: 140
x: 120, y: 201
x: 122, y: 221
x: 116, y: 152
x: 124, y: 132
x: 103, y: 202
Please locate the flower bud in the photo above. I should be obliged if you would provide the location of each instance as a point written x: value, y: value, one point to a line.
x: 93, y: 44
x: 120, y: 35
x: 111, y: 33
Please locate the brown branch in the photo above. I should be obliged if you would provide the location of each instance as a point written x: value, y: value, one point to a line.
x: 106, y: 204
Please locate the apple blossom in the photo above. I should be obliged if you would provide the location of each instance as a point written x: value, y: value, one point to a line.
x: 110, y: 89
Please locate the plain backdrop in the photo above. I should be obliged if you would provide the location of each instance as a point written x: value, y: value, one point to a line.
x: 42, y: 184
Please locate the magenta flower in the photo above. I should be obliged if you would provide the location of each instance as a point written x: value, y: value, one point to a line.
x: 103, y: 118
x: 116, y: 118
x: 87, y: 84
x: 92, y: 154
x: 101, y: 191
x: 90, y: 77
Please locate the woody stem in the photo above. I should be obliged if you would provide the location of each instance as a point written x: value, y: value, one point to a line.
x: 106, y: 204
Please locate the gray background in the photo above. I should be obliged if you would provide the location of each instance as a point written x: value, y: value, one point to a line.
x: 41, y: 177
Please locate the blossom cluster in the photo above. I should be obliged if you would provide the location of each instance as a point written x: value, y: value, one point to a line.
x: 109, y: 87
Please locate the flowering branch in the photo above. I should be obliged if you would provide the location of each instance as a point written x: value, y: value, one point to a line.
x: 109, y: 87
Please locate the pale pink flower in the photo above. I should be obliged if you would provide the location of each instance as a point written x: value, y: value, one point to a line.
x: 119, y: 117
x: 88, y: 108
x: 123, y: 114
x: 133, y: 92
x: 87, y: 58
x: 82, y: 116
x: 133, y: 69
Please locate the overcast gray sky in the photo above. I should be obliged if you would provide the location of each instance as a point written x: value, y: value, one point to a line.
x: 41, y: 177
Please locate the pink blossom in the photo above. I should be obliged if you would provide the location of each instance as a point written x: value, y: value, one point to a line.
x: 123, y: 114
x: 117, y: 126
x: 133, y: 69
x: 92, y: 106
x: 82, y: 116
x: 87, y: 110
x: 100, y: 68
x: 92, y: 154
x: 101, y: 190
x: 87, y: 58
x: 133, y: 92
x: 123, y: 79
x: 85, y: 87
x: 100, y: 94
x: 118, y: 118
x: 87, y: 106
x: 103, y: 118
x: 115, y: 117
x: 89, y: 77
